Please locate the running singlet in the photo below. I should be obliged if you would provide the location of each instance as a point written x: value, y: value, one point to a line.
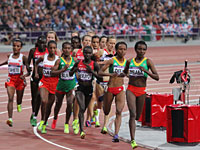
x: 134, y: 69
x: 65, y: 75
x: 47, y: 65
x: 79, y: 55
x: 15, y: 66
x: 83, y: 74
x: 106, y: 56
x: 117, y: 67
x: 37, y: 54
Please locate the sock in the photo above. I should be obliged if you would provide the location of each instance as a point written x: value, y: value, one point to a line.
x: 97, y: 117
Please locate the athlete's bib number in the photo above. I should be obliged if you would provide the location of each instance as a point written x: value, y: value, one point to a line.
x: 85, y: 76
x: 47, y: 72
x: 65, y: 76
x: 135, y: 71
x: 118, y: 69
x: 14, y: 69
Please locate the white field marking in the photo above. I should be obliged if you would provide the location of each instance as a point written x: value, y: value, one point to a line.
x: 161, y: 88
x: 4, y: 75
x: 172, y: 72
x: 42, y: 138
x: 15, y: 110
x: 176, y: 68
x: 23, y: 100
x: 168, y: 84
x: 170, y: 75
x: 1, y: 91
x: 7, y: 95
x: 179, y: 64
x: 172, y: 66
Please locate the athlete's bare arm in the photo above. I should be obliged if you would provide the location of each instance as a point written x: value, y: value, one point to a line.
x: 54, y: 69
x: 153, y: 74
x: 5, y: 62
x: 36, y: 66
x: 104, y: 67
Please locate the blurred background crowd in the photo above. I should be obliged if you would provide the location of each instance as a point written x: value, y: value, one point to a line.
x: 59, y: 15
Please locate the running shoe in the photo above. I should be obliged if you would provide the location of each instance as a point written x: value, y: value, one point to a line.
x: 97, y: 124
x: 104, y: 130
x: 82, y: 135
x: 96, y: 112
x: 87, y: 124
x: 40, y: 125
x: 34, y: 123
x: 9, y: 122
x: 53, y: 125
x: 115, y: 138
x: 133, y: 144
x: 66, y: 130
x: 75, y: 126
x: 43, y: 131
x: 31, y: 119
x: 19, y: 108
x: 92, y: 121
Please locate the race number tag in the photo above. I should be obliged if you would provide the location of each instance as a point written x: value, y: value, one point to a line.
x: 14, y: 69
x: 65, y: 76
x: 85, y: 76
x: 118, y: 69
x: 136, y: 71
x: 47, y: 72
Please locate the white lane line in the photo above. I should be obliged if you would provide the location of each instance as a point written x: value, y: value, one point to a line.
x: 175, y: 65
x: 23, y: 100
x: 15, y: 110
x: 42, y: 138
x: 7, y: 95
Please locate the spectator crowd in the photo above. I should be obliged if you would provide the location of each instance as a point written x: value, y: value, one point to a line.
x: 61, y: 15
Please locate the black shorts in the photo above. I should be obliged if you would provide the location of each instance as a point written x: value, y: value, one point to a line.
x: 87, y: 90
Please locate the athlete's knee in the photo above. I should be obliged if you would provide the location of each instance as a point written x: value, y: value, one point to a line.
x: 132, y: 115
x: 118, y: 112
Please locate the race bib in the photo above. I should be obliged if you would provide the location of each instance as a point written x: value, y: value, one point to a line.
x: 85, y: 76
x: 65, y: 76
x: 47, y: 72
x: 14, y: 69
x: 118, y: 69
x: 135, y: 71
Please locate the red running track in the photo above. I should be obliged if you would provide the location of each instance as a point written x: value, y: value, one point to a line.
x: 22, y: 136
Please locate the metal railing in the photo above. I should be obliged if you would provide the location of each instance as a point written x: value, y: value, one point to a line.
x: 145, y: 34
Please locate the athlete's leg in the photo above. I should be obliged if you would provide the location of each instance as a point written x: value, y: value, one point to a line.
x: 69, y: 99
x: 59, y: 101
x: 139, y: 105
x: 50, y: 102
x: 75, y: 109
x: 37, y: 103
x: 108, y: 98
x: 91, y: 107
x: 131, y: 103
x: 81, y: 102
x: 19, y: 97
x: 120, y: 102
x: 34, y: 91
x: 10, y: 92
x: 44, y: 93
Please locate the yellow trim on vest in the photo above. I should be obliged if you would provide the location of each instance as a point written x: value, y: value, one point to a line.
x: 138, y: 64
x: 67, y: 62
x: 121, y: 64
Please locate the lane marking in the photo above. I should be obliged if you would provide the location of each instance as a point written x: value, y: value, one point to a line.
x: 15, y: 110
x: 42, y: 138
x: 24, y: 100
